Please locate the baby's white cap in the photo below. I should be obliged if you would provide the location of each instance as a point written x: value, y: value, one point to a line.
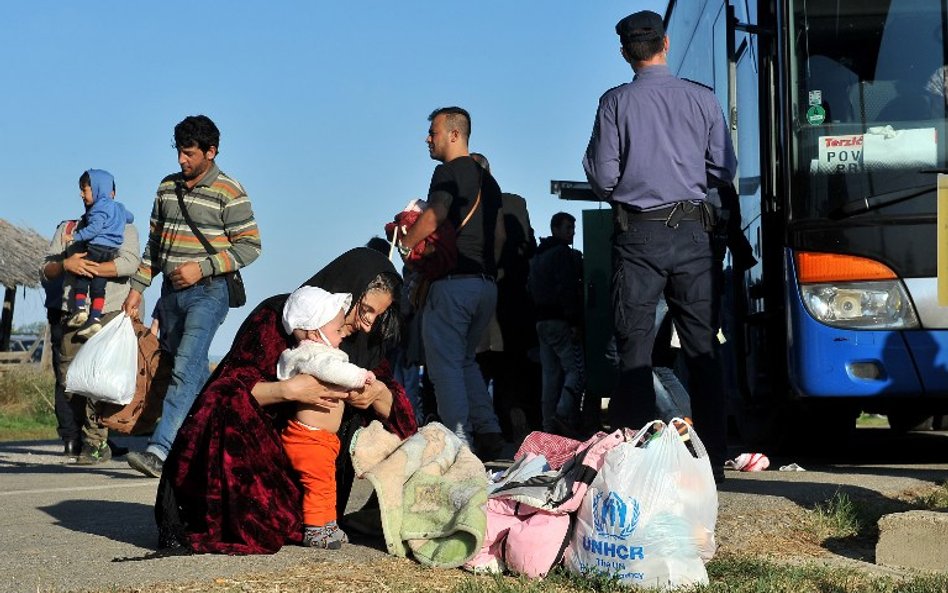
x: 311, y: 307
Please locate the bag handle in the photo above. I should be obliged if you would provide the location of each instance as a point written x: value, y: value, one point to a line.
x: 467, y: 218
x: 700, y: 450
x: 643, y: 432
x: 178, y: 191
x: 477, y: 202
x: 392, y: 248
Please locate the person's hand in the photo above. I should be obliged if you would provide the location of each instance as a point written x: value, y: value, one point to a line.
x: 306, y: 389
x: 368, y: 395
x: 132, y: 302
x: 78, y: 265
x: 186, y: 275
x: 403, y: 250
x: 369, y: 377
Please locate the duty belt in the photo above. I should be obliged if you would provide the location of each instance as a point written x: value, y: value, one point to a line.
x: 671, y: 215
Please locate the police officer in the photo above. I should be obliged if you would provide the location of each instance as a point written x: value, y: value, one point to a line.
x: 657, y: 144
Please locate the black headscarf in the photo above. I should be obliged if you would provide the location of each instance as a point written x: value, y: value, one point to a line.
x: 352, y: 272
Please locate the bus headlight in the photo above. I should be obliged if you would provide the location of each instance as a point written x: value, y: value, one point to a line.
x: 882, y: 304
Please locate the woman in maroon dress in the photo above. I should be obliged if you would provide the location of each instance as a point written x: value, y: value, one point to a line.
x: 227, y: 485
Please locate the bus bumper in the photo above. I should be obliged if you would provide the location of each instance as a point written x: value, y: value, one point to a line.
x: 825, y: 361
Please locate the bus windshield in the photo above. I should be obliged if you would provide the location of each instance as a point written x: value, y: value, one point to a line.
x: 867, y: 94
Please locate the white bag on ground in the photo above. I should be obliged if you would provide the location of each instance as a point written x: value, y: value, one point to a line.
x: 105, y: 367
x: 649, y: 515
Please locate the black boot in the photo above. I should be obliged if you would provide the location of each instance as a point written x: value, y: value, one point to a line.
x: 71, y: 449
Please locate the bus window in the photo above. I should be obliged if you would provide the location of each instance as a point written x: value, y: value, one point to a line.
x: 867, y: 112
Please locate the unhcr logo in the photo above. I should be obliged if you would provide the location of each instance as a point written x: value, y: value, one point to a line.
x: 613, y: 519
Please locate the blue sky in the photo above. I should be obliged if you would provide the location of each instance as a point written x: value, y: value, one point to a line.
x: 322, y: 108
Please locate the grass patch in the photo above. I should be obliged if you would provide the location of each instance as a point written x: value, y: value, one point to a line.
x: 936, y: 500
x: 837, y: 518
x: 728, y: 574
x: 850, y: 527
x: 26, y: 404
x: 747, y: 575
x: 872, y: 421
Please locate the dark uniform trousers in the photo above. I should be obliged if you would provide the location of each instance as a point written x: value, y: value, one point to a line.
x: 70, y: 411
x: 650, y: 258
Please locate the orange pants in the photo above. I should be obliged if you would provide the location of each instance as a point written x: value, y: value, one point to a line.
x: 313, y: 454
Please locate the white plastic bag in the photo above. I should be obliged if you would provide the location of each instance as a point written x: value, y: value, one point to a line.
x: 649, y: 515
x: 105, y: 367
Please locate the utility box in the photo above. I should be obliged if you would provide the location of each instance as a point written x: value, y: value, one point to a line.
x: 601, y: 368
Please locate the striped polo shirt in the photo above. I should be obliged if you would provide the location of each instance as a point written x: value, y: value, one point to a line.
x: 219, y: 208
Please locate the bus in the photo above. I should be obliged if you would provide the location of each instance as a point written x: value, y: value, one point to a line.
x: 837, y: 111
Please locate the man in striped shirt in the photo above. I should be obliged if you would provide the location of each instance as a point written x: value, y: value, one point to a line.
x: 194, y: 295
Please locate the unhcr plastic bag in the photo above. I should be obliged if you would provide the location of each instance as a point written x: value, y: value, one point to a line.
x: 649, y: 516
x: 105, y: 367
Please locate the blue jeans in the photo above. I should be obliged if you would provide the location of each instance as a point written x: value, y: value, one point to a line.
x: 189, y: 319
x: 409, y: 377
x: 455, y: 317
x: 671, y: 397
x: 561, y: 358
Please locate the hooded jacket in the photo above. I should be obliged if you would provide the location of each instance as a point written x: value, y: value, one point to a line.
x: 104, y: 222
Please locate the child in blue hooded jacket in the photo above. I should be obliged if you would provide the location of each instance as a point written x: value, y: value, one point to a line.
x: 102, y: 229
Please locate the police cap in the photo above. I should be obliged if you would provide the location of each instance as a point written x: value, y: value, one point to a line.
x: 644, y: 25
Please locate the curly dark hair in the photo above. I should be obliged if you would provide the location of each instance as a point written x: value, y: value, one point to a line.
x: 197, y: 130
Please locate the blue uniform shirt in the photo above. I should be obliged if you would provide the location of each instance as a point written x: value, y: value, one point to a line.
x: 658, y: 140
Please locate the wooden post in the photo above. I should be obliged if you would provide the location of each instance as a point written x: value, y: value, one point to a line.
x: 6, y: 319
x: 46, y: 360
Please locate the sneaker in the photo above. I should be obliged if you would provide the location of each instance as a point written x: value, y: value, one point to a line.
x: 327, y: 536
x: 93, y: 455
x: 78, y: 319
x: 146, y: 462
x: 91, y: 328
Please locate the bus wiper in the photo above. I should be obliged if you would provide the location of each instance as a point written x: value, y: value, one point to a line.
x: 879, y: 200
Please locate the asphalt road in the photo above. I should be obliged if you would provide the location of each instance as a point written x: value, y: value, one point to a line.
x: 65, y: 528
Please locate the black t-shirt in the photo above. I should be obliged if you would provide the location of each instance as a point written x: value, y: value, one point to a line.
x: 454, y: 185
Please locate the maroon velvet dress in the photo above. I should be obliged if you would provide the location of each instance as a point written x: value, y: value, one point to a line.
x: 227, y: 485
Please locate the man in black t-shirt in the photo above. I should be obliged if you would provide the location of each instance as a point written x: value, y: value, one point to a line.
x: 460, y: 305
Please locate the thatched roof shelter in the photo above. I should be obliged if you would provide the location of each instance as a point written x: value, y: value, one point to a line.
x: 21, y: 255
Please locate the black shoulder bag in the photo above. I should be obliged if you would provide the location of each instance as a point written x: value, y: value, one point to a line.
x: 237, y: 296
